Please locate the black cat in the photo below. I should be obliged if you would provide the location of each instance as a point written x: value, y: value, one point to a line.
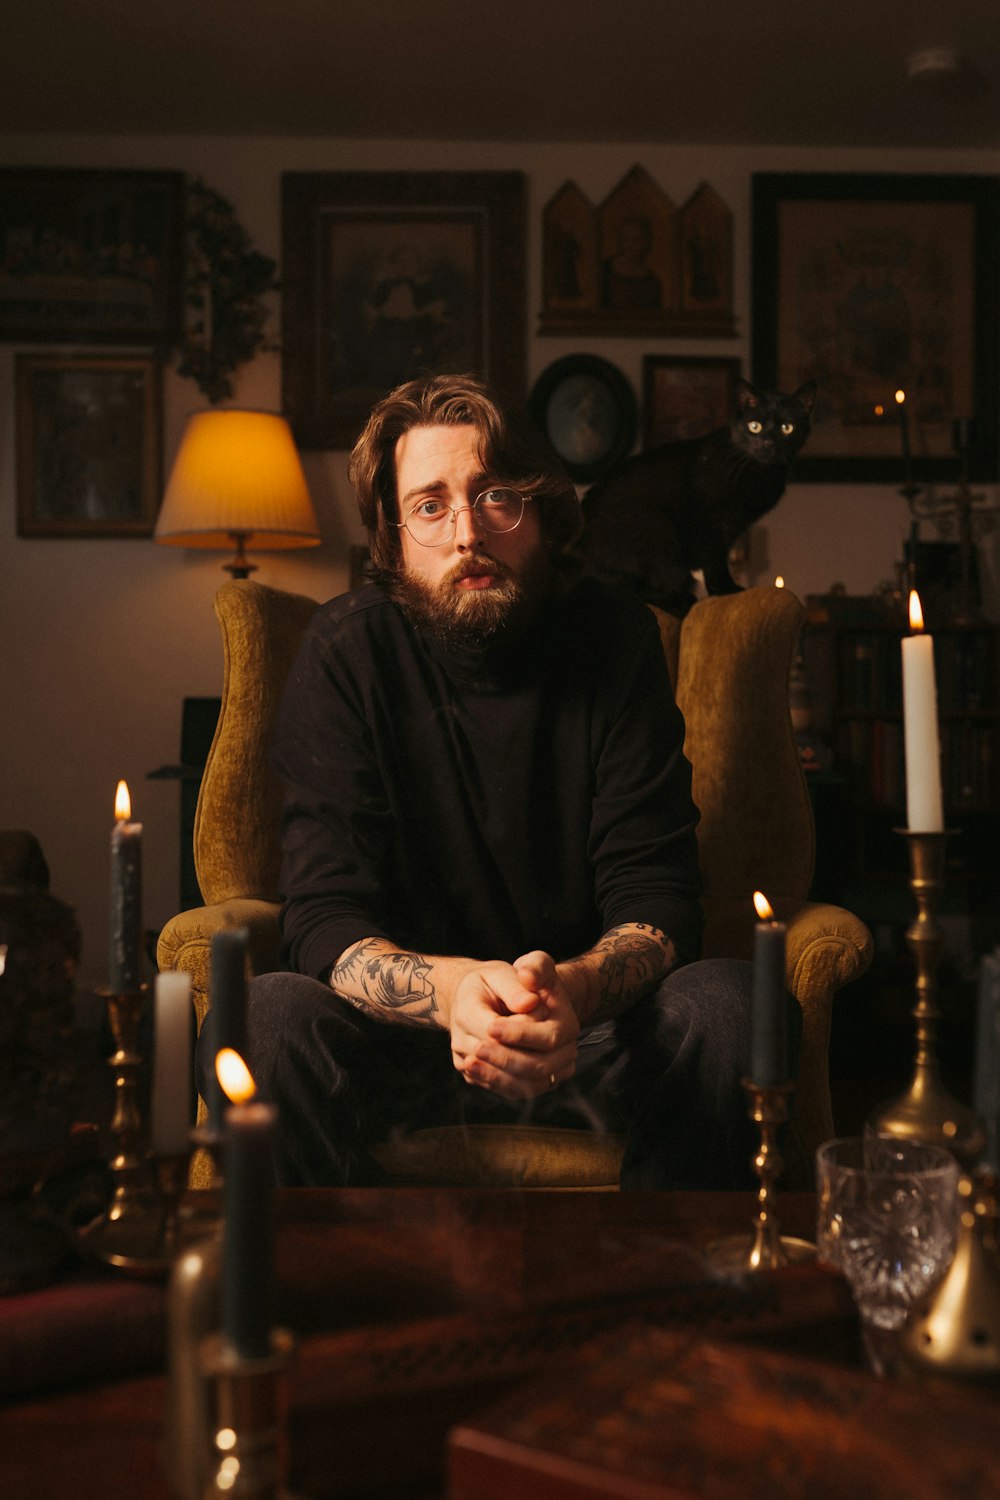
x: 661, y: 514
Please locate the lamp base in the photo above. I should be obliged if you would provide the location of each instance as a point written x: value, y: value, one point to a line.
x: 239, y: 564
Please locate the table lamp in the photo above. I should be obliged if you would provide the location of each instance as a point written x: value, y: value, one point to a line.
x: 237, y: 481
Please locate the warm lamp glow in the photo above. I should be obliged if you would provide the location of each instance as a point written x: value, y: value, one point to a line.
x: 234, y: 1076
x: 900, y: 397
x: 123, y: 803
x: 237, y: 479
x: 880, y: 410
x: 762, y: 907
x: 779, y: 582
x: 916, y: 613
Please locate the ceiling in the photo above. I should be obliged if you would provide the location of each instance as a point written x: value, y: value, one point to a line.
x: 718, y: 71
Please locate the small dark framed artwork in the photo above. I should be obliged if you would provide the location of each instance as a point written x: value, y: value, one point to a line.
x: 869, y: 284
x: 391, y: 275
x: 685, y: 397
x: 89, y: 256
x: 88, y: 445
x: 587, y: 410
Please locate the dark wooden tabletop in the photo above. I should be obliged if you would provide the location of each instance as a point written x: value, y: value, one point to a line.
x: 413, y: 1309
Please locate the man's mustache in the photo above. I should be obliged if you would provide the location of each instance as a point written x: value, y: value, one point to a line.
x: 476, y: 567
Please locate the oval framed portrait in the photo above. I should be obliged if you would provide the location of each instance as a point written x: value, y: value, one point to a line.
x: 588, y: 411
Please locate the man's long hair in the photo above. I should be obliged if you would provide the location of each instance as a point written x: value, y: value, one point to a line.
x: 508, y: 446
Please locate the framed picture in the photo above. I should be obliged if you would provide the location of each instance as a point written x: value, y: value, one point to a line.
x: 685, y: 397
x: 388, y: 275
x: 90, y: 256
x: 587, y: 410
x: 636, y: 265
x: 871, y: 285
x: 88, y: 445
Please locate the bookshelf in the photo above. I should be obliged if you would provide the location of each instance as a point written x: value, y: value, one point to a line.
x: 853, y: 669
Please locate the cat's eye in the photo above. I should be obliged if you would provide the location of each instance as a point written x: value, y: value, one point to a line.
x: 787, y: 428
x: 754, y: 426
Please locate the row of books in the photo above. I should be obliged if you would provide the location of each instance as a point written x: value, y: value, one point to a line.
x: 870, y: 675
x: 874, y: 750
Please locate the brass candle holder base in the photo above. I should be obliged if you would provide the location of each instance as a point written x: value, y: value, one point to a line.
x: 248, y: 1458
x: 144, y: 1238
x: 926, y: 1111
x: 955, y: 1330
x: 766, y: 1249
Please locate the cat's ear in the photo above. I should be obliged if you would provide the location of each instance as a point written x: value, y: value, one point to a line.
x: 806, y: 395
x: 747, y: 396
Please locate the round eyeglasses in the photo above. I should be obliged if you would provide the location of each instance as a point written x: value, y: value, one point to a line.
x: 432, y: 523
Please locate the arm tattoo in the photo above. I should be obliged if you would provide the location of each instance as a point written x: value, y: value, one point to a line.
x: 389, y: 986
x: 632, y: 960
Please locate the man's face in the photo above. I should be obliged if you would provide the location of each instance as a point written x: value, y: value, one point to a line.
x: 478, y: 577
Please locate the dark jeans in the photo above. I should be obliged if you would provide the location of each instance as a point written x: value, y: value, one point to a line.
x: 667, y: 1075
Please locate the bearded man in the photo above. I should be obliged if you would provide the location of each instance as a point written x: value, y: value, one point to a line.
x: 491, y: 897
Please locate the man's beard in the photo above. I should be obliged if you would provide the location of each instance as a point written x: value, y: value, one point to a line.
x: 475, y: 619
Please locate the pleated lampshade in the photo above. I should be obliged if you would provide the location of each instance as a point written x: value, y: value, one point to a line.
x: 237, y: 481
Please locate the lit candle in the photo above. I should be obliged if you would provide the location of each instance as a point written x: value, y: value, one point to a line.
x: 227, y: 1010
x: 924, y: 812
x: 125, y: 976
x: 248, y: 1213
x: 171, y: 1109
x: 769, y: 1017
x: 904, y: 431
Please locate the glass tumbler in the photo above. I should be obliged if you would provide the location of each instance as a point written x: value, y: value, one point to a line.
x: 887, y: 1216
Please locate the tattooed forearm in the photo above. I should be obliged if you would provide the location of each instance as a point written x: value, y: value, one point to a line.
x: 625, y: 964
x: 391, y: 986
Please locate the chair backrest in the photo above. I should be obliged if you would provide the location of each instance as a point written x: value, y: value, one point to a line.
x: 236, y: 849
x: 756, y: 830
x: 729, y: 660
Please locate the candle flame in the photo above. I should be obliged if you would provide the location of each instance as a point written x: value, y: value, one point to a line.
x: 234, y: 1076
x: 779, y: 582
x: 916, y: 613
x: 900, y: 397
x: 123, y: 803
x: 763, y: 906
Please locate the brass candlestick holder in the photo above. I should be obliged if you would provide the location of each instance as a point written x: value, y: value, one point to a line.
x: 128, y: 1164
x: 141, y: 1229
x: 926, y: 1111
x: 767, y: 1249
x: 145, y: 1239
x: 955, y: 1330
x: 248, y: 1458
x: 193, y: 1310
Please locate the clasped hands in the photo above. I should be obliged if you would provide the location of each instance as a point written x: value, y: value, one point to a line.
x: 513, y: 1027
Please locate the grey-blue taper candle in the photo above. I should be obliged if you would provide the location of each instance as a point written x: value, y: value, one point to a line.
x: 125, y: 958
x: 226, y: 1021
x: 248, y: 1229
x: 769, y: 1017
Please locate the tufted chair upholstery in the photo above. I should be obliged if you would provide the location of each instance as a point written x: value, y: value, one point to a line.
x: 729, y: 661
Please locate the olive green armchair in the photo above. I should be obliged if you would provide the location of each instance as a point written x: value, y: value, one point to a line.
x: 729, y: 661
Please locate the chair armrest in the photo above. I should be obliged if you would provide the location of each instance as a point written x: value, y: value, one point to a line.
x: 186, y: 941
x: 827, y: 947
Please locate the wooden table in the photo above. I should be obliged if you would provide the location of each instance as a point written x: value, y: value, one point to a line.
x: 415, y: 1309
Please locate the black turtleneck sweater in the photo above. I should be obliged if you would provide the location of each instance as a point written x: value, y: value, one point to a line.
x: 483, y: 808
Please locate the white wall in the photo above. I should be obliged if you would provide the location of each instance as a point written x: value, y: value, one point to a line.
x: 101, y: 640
